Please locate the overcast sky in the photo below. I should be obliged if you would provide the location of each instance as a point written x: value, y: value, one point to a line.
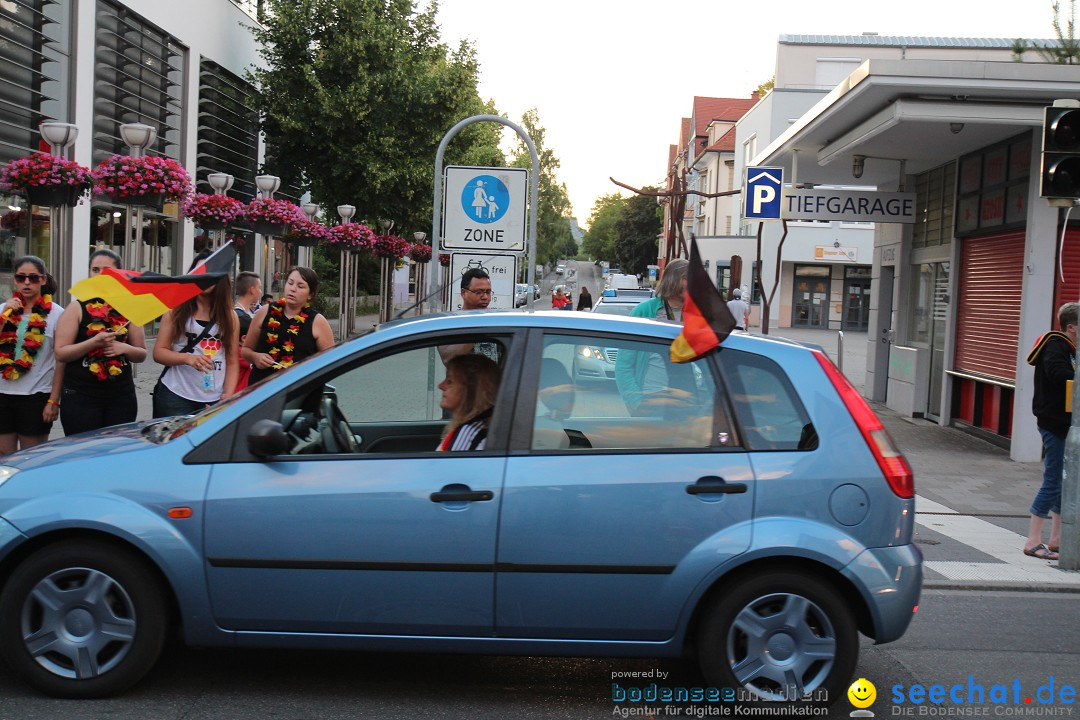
x: 612, y: 78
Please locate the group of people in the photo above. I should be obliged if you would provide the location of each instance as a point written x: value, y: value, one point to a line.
x: 75, y: 363
x: 563, y: 300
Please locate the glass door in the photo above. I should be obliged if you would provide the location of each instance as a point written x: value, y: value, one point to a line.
x: 810, y: 303
x: 939, y: 313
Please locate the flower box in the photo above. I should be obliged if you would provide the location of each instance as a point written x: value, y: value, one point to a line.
x: 47, y: 180
x: 267, y: 216
x: 420, y: 253
x: 307, y: 233
x: 146, y: 181
x: 213, y: 212
x: 390, y: 246
x: 351, y: 237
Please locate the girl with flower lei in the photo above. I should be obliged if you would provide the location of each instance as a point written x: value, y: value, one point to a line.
x: 289, y: 330
x: 29, y: 378
x: 97, y: 346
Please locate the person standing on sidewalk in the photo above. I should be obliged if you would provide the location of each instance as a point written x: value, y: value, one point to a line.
x: 739, y: 309
x: 248, y: 292
x: 288, y: 330
x: 1054, y: 358
x: 97, y: 346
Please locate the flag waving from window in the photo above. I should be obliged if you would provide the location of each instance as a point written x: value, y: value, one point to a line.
x: 706, y: 318
x: 144, y: 297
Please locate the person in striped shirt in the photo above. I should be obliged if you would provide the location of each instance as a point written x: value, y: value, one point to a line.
x: 469, y: 391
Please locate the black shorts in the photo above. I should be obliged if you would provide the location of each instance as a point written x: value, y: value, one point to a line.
x: 21, y: 414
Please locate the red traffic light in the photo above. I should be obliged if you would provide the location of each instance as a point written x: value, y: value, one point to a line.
x: 1062, y: 129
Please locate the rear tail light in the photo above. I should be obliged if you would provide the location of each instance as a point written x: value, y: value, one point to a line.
x: 891, y: 461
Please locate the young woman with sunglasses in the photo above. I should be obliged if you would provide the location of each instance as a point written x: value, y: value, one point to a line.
x: 97, y: 346
x: 29, y: 376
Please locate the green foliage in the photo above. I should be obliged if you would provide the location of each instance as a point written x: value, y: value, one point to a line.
x: 1067, y: 52
x: 636, y: 230
x: 553, y: 237
x: 355, y: 98
x: 599, y: 242
x: 766, y: 86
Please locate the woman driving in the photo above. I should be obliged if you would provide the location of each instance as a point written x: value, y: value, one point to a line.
x: 469, y: 391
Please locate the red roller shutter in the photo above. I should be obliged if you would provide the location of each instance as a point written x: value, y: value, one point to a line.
x: 1068, y: 291
x: 988, y: 318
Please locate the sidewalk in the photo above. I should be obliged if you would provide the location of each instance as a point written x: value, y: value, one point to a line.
x: 971, y: 499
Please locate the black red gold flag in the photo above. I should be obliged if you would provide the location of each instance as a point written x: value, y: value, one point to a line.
x: 144, y: 297
x: 707, y: 321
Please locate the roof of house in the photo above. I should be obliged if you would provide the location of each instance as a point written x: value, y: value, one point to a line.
x: 707, y: 109
x: 906, y: 41
x: 725, y: 143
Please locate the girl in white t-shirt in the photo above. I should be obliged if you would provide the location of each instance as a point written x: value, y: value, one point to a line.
x: 29, y: 381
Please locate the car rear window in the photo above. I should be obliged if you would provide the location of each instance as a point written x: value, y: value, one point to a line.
x: 767, y: 405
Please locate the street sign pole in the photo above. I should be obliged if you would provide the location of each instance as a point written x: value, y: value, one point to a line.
x: 436, y: 210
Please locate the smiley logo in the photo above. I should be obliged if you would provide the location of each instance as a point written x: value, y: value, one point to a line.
x: 862, y: 693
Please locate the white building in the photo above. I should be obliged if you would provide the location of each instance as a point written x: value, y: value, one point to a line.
x: 101, y: 63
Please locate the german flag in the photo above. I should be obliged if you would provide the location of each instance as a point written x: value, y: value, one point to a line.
x: 144, y: 297
x: 706, y: 318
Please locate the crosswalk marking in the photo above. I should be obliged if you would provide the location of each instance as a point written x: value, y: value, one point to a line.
x: 997, y: 542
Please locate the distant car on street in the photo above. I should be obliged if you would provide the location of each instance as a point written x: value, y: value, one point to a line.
x: 521, y: 294
x: 746, y: 510
x: 560, y: 269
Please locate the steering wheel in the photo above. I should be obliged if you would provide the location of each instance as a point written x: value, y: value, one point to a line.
x: 340, y: 439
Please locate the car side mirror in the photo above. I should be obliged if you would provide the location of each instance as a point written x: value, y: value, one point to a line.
x: 267, y: 438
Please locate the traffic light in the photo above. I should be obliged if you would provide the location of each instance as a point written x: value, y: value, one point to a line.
x: 1061, y: 153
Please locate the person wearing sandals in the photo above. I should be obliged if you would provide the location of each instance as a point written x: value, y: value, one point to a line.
x: 97, y: 346
x: 1054, y: 359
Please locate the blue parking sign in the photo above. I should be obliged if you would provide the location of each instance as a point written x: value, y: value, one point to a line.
x: 762, y: 190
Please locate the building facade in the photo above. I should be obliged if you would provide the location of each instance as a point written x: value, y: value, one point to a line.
x: 101, y: 63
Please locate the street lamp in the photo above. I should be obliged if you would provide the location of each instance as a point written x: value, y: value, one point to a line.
x: 386, y: 279
x: 138, y: 137
x: 421, y: 274
x: 220, y: 183
x: 345, y: 212
x: 311, y: 210
x: 268, y: 185
x: 60, y: 137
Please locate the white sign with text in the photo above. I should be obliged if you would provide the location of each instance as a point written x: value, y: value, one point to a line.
x: 502, y: 269
x: 847, y: 205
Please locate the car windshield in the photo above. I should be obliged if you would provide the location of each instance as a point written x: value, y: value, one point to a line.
x: 614, y: 308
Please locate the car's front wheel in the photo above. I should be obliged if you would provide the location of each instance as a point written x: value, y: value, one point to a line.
x: 81, y: 620
x: 779, y: 636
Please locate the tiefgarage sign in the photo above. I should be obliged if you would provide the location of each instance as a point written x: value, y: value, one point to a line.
x: 847, y: 205
x: 484, y: 208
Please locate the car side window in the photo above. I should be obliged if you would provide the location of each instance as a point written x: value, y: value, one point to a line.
x: 766, y: 404
x: 623, y: 394
x: 389, y: 404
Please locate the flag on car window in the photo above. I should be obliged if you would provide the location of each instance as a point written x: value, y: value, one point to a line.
x: 706, y: 318
x: 144, y: 297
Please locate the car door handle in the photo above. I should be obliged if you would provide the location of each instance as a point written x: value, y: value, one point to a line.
x: 713, y: 485
x: 462, y: 496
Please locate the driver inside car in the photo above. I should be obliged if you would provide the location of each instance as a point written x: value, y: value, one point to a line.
x: 468, y: 395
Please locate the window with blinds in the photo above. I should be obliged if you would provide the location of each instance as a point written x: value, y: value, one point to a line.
x: 228, y: 130
x: 934, y: 202
x: 138, y: 77
x: 34, y: 71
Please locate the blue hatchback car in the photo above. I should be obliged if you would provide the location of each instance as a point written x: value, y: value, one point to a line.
x: 746, y: 509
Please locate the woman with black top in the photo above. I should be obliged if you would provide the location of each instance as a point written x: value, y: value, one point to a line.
x: 584, y: 301
x: 97, y: 345
x: 288, y: 329
x: 469, y: 391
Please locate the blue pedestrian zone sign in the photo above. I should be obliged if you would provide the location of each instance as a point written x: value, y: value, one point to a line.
x: 762, y: 193
x: 485, y: 199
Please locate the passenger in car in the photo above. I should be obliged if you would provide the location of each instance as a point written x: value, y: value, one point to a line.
x: 469, y: 391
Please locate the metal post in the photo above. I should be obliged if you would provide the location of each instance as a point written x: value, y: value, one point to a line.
x: 840, y: 351
x: 60, y: 137
x: 1069, y: 550
x: 221, y: 184
x: 534, y: 194
x: 345, y: 212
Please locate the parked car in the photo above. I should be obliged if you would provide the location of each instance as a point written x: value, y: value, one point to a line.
x: 750, y: 510
x: 521, y: 294
x: 595, y: 361
x: 560, y: 268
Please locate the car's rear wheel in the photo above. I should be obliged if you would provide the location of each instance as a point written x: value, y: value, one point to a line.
x: 82, y: 620
x: 780, y: 636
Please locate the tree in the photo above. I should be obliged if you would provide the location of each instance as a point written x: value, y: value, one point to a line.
x: 355, y: 98
x: 553, y: 237
x: 636, y: 230
x: 1066, y: 52
x: 766, y: 86
x: 599, y: 242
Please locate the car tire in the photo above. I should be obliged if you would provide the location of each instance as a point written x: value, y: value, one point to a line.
x: 776, y: 631
x: 82, y: 620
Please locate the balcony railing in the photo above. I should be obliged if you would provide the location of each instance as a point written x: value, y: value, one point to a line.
x: 253, y: 8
